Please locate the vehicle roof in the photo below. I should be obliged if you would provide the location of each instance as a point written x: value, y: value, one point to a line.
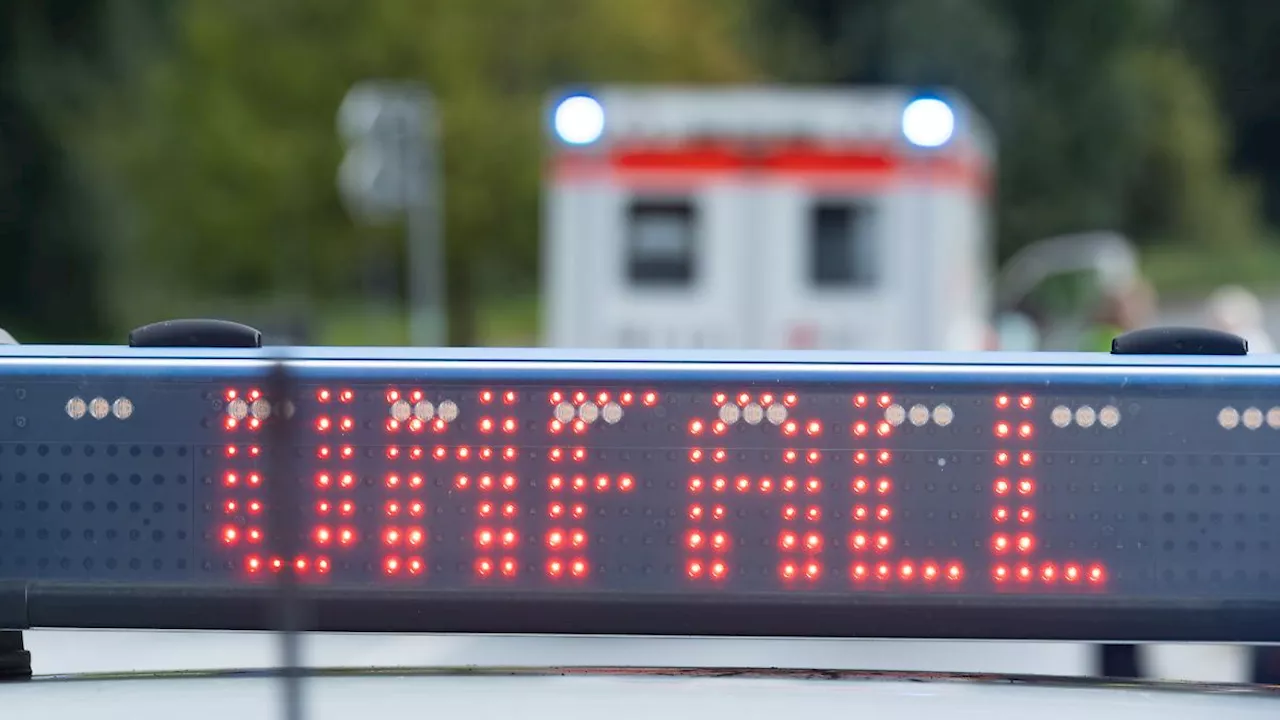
x: 571, y: 693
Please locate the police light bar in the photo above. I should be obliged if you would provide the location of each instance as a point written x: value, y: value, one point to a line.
x: 1071, y: 497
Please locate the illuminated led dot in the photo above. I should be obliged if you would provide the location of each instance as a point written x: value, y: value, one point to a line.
x: 929, y: 572
x: 578, y: 568
x: 1273, y: 417
x: 1048, y: 573
x: 788, y: 570
x: 650, y: 398
x: 1002, y: 429
x: 415, y: 566
x: 611, y: 412
x: 883, y: 542
x: 76, y: 408
x: 813, y: 485
x: 813, y: 541
x: 753, y: 414
x: 589, y: 412
x: 883, y: 571
x: 1025, y: 543
x: 954, y: 572
x: 813, y: 428
x: 1002, y: 401
x: 1228, y: 418
x: 1071, y: 573
x: 906, y: 571
x: 943, y: 415
x: 484, y: 567
x: 447, y: 411
x: 346, y: 536
x: 509, y: 568
x: 255, y: 535
x: 1024, y: 572
x: 895, y: 414
x: 578, y: 511
x: 1085, y: 416
x: 1096, y: 574
x: 1000, y: 573
x: 1060, y: 416
x: 1026, y: 487
x: 416, y: 508
x: 1002, y: 458
x: 719, y: 570
x: 1252, y: 418
x: 859, y: 571
x: 814, y: 513
x: 860, y: 485
x: 694, y: 569
x: 1000, y: 543
x: 729, y: 413
x: 230, y: 535
x: 858, y: 541
x: 883, y: 486
x: 1026, y: 402
x: 1026, y: 515
x: 776, y: 414
x: 401, y: 410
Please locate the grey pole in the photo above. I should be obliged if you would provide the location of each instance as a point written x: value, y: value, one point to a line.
x: 424, y: 222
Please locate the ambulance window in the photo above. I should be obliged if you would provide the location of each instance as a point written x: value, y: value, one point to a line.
x: 841, y: 244
x: 660, y: 236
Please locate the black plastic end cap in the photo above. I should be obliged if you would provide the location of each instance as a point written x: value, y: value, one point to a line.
x: 195, y: 333
x: 1179, y: 341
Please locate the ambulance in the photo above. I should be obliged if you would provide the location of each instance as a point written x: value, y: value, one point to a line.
x: 764, y: 217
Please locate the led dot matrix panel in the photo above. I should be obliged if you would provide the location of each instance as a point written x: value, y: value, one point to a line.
x: 808, y: 498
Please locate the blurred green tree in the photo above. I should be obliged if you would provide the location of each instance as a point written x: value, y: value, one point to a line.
x: 1103, y: 120
x: 225, y: 157
x: 52, y: 55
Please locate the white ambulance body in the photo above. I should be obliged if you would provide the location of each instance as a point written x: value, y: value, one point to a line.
x: 767, y: 218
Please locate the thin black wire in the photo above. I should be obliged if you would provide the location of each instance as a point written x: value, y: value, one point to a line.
x: 279, y: 444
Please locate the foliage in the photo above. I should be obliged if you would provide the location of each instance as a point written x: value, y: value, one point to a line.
x: 1103, y: 120
x: 228, y: 158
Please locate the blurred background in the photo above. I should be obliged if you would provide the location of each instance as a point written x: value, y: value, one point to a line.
x: 165, y: 158
x: 882, y: 174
